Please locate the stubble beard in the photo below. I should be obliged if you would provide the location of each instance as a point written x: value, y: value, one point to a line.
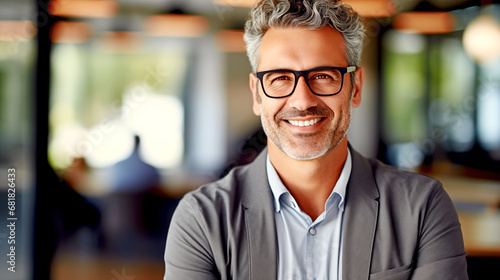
x: 308, y: 146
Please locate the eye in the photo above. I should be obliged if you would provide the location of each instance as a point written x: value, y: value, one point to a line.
x: 281, y: 78
x: 321, y: 76
x: 278, y: 77
x: 325, y: 76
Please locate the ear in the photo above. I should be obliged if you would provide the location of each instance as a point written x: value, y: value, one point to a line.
x: 255, y: 94
x: 358, y: 85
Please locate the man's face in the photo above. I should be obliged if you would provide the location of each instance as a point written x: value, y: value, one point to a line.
x: 328, y: 117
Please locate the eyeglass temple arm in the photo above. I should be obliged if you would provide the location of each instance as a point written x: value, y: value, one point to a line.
x: 351, y: 69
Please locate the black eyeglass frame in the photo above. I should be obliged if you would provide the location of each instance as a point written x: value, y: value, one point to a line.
x: 305, y: 74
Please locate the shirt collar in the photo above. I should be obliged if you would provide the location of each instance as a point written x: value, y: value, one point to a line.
x: 275, y: 183
x: 278, y: 188
x: 341, y: 185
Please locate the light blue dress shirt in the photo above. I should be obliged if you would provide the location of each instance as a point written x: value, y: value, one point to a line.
x: 309, y: 249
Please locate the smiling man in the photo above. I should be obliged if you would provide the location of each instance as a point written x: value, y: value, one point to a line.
x: 310, y: 206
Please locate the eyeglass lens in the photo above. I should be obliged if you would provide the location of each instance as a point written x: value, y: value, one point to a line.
x: 282, y: 83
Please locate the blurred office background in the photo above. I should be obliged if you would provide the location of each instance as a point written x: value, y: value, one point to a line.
x: 110, y: 110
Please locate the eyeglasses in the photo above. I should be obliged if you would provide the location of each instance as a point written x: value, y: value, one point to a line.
x: 322, y: 81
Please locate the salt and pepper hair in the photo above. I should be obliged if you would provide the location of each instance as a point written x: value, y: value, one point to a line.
x: 311, y: 14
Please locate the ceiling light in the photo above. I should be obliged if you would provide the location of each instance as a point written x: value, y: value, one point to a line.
x: 482, y: 38
x: 236, y: 3
x: 176, y: 25
x: 373, y: 8
x: 83, y: 8
x: 70, y: 32
x: 425, y: 22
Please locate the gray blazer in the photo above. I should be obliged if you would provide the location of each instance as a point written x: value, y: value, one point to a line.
x: 397, y: 225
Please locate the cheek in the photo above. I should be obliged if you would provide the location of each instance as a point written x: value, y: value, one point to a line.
x: 339, y: 107
x: 272, y: 107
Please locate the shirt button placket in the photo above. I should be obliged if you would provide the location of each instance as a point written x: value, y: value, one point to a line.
x: 310, y: 254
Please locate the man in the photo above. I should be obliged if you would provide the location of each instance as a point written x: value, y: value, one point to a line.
x: 310, y: 206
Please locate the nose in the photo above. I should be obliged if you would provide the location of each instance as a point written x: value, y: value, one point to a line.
x: 302, y: 98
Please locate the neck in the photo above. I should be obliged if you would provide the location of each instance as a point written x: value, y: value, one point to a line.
x: 310, y: 181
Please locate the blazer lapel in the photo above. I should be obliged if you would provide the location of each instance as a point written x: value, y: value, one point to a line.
x: 360, y: 220
x: 259, y: 218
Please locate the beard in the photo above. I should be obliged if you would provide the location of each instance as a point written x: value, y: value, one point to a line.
x: 307, y: 146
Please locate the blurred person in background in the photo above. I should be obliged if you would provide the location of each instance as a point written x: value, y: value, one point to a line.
x: 124, y: 219
x: 310, y: 206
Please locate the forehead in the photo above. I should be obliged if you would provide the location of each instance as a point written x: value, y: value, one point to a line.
x: 301, y: 48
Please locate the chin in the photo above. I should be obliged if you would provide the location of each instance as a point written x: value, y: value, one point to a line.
x: 311, y: 154
x: 301, y: 155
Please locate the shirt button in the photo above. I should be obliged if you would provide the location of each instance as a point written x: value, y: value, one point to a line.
x: 312, y: 231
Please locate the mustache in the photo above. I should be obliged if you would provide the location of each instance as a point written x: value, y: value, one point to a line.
x: 313, y: 111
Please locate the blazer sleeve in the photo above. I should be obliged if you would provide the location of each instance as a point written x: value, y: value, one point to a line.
x: 188, y: 254
x: 441, y: 253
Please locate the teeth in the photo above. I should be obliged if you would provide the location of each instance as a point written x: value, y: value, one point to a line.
x: 304, y: 123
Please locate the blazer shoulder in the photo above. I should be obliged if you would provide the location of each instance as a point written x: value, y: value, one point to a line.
x: 243, y: 185
x: 224, y: 189
x: 384, y: 172
x: 390, y: 180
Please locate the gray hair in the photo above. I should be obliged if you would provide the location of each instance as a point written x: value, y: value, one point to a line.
x: 312, y: 14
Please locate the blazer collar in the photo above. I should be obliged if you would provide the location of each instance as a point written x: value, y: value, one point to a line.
x: 258, y: 203
x: 360, y: 219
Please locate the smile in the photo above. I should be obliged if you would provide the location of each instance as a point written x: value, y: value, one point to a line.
x: 304, y: 123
